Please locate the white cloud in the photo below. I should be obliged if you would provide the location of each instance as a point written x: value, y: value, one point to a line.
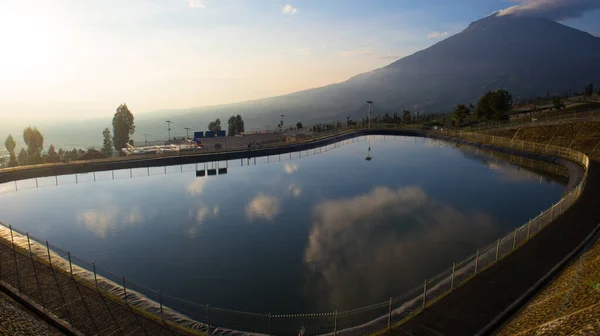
x: 288, y: 10
x: 196, y: 3
x: 263, y: 207
x: 436, y: 35
x: 290, y: 168
x: 553, y: 9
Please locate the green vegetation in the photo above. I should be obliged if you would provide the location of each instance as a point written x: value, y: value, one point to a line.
x: 494, y: 105
x: 52, y: 155
x: 235, y: 125
x: 589, y: 90
x: 215, y: 126
x: 461, y: 112
x: 35, y: 142
x: 123, y: 127
x: 107, y: 143
x: 10, y: 145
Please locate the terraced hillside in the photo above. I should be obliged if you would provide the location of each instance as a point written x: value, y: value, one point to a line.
x: 582, y: 135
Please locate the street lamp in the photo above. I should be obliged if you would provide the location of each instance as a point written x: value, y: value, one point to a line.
x: 169, y: 130
x: 187, y: 132
x: 368, y: 158
x: 369, y: 116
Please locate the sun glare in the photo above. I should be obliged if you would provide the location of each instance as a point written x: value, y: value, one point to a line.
x: 31, y: 41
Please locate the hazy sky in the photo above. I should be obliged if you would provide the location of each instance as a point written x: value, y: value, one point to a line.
x: 81, y: 58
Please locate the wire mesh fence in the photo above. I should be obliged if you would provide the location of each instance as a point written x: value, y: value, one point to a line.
x: 97, y: 302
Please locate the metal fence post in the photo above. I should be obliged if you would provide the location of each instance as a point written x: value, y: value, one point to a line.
x: 424, y: 293
x: 208, y: 317
x: 64, y: 302
x: 125, y: 291
x: 15, y: 257
x: 476, y: 261
x: 70, y: 264
x: 452, y: 280
x: 515, y: 239
x: 161, y: 305
x: 390, y: 315
x: 497, y: 249
x: 35, y: 273
x: 95, y: 277
x: 335, y: 320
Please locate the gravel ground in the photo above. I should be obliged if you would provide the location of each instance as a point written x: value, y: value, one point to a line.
x: 568, y: 306
x: 16, y: 320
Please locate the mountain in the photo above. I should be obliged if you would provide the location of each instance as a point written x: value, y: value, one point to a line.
x: 528, y: 56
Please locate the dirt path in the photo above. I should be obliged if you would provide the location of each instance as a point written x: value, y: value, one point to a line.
x: 470, y: 307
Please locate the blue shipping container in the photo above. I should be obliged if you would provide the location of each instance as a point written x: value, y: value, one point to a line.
x: 221, y: 133
x: 209, y: 134
x: 198, y: 135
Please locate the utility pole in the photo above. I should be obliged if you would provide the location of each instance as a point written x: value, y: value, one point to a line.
x: 146, y: 138
x: 169, y: 131
x: 187, y: 132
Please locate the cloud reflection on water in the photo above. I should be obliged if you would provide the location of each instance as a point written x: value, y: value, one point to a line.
x: 290, y: 168
x: 263, y: 207
x: 373, y: 246
x: 106, y: 219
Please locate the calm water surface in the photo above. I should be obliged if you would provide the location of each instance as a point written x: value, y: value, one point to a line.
x: 320, y: 232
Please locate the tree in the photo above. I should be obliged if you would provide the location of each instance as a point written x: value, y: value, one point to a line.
x: 215, y: 126
x: 460, y: 114
x: 107, y: 143
x: 299, y: 125
x: 500, y: 104
x: 52, y: 155
x: 35, y: 144
x: 494, y: 105
x: 23, y: 156
x: 239, y: 124
x: 406, y: 116
x: 231, y: 129
x: 123, y: 127
x: 10, y: 145
x: 557, y: 103
x: 589, y: 90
